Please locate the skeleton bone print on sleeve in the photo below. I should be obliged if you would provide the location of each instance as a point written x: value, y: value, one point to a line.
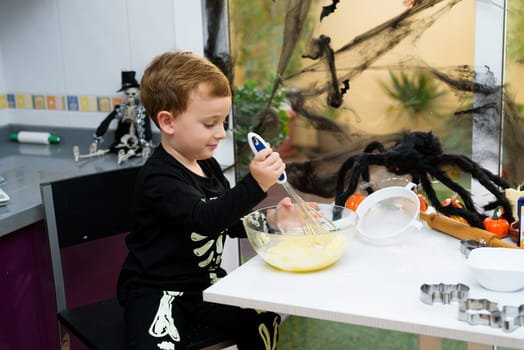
x: 210, y: 250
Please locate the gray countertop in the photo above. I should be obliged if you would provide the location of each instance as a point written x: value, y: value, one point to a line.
x: 25, y: 166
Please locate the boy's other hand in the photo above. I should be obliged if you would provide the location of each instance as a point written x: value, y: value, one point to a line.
x: 287, y: 217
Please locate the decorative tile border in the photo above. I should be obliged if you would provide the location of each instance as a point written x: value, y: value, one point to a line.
x: 55, y: 102
x: 72, y: 103
x: 3, y: 101
x: 60, y: 102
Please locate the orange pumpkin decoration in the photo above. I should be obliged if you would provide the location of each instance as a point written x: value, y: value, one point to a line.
x: 453, y: 201
x: 497, y: 224
x: 423, y: 202
x: 354, y: 200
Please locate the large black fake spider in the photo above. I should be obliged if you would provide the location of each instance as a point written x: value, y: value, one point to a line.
x: 419, y: 154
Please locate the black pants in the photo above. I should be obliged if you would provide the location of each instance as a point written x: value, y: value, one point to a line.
x: 163, y: 320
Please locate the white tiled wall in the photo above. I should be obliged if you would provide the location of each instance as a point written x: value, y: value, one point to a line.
x: 78, y: 47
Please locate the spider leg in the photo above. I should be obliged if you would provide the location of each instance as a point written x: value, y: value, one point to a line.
x: 359, y: 170
x: 415, y: 179
x: 340, y: 194
x: 365, y: 179
x: 375, y: 146
x: 486, y: 179
x: 455, y: 187
x: 497, y: 180
x: 449, y: 210
x: 472, y: 216
x: 430, y: 192
x: 360, y: 165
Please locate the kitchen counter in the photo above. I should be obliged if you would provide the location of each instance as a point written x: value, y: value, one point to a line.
x: 25, y: 166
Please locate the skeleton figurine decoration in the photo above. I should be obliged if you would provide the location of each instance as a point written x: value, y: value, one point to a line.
x: 133, y: 133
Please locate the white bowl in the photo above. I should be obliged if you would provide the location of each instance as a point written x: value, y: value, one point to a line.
x: 498, y: 269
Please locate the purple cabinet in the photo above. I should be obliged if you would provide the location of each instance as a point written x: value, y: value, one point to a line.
x: 27, y: 298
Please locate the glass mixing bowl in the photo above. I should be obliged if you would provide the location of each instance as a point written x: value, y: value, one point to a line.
x: 283, y: 245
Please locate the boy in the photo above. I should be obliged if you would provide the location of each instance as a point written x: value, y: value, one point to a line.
x: 183, y: 210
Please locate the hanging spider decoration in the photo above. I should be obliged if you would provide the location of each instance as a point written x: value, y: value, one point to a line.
x: 419, y: 154
x: 321, y: 48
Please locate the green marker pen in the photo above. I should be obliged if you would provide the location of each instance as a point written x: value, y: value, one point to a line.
x: 44, y: 138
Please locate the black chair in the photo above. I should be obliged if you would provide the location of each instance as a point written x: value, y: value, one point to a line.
x: 87, y: 218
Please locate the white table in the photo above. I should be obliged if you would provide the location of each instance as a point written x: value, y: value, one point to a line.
x: 375, y: 286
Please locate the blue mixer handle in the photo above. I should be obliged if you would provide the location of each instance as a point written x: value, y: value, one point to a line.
x: 257, y: 144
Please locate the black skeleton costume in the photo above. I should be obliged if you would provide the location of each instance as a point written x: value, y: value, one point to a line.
x: 133, y: 132
x: 175, y: 251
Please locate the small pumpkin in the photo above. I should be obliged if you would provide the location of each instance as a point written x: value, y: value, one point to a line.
x: 423, y: 202
x: 496, y: 223
x: 354, y: 201
x: 453, y: 201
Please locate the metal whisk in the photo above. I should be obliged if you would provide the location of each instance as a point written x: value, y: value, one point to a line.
x: 312, y: 222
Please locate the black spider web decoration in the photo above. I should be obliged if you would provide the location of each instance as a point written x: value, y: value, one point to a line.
x: 332, y: 69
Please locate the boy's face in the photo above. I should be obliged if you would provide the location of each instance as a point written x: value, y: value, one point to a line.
x: 200, y: 128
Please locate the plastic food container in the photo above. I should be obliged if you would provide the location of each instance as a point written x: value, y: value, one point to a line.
x: 498, y: 269
x: 292, y: 250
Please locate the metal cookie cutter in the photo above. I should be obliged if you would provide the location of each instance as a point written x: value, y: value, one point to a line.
x: 443, y: 293
x: 512, y: 317
x: 487, y: 313
x: 479, y: 312
x: 467, y: 245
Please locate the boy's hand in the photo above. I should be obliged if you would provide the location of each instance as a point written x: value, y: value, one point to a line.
x: 266, y: 167
x: 286, y: 216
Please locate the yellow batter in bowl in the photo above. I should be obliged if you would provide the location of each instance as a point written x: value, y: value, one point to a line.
x: 295, y: 251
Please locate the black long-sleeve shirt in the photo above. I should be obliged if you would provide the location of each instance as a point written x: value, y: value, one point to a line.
x: 181, y: 220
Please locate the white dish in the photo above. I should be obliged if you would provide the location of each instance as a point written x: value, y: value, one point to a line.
x: 498, y: 269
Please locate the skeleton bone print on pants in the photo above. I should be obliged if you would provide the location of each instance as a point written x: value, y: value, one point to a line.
x: 163, y: 323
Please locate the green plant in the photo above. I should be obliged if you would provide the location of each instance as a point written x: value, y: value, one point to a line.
x: 414, y: 95
x: 257, y: 35
x: 251, y: 113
